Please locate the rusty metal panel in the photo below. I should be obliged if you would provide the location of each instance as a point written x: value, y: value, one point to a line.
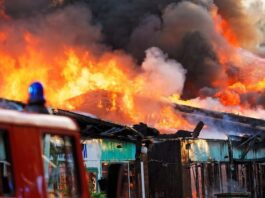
x: 201, y: 168
x: 200, y: 150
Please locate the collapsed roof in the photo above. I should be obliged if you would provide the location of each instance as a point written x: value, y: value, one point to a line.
x: 93, y: 127
x: 227, y: 123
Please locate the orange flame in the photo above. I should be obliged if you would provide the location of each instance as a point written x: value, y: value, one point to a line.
x: 109, y: 86
x: 230, y: 89
x: 72, y: 76
x: 223, y: 27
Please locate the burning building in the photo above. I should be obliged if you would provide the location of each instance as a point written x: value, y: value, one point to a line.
x: 111, y: 155
x: 128, y: 61
x: 131, y: 61
x: 205, y: 168
x: 191, y: 167
x: 198, y: 167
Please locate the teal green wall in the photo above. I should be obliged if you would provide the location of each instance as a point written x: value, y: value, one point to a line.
x: 115, y: 150
x: 217, y: 150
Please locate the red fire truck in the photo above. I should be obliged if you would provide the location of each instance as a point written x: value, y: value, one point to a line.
x: 40, y: 156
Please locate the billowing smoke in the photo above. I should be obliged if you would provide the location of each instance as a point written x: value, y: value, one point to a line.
x: 119, y: 18
x: 193, y: 48
x: 23, y: 8
x: 255, y: 9
x: 242, y: 24
x: 162, y: 74
x: 2, y: 9
x: 185, y: 33
x: 29, y: 8
x: 185, y: 30
x: 167, y: 32
x: 201, y: 62
x: 53, y: 31
x: 40, y: 42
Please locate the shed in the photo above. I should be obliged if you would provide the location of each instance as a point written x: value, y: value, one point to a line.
x: 203, y: 167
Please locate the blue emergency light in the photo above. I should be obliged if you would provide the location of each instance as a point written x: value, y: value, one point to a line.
x: 36, y: 92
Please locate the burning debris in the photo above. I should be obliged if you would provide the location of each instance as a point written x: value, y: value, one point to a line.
x: 192, y: 167
x: 223, y: 125
x: 100, y: 57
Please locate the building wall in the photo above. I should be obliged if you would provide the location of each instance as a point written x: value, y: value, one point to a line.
x: 217, y: 166
x: 165, y: 171
x: 203, y: 168
x: 103, y: 156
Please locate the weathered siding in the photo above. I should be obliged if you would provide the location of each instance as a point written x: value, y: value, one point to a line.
x: 116, y: 150
x: 165, y: 178
x: 203, y: 168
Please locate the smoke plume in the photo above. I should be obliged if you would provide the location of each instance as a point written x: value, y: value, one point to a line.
x: 193, y: 48
x: 242, y: 24
x: 53, y: 31
x: 23, y: 8
x: 162, y: 74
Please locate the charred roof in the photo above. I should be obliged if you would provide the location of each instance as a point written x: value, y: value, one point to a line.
x: 93, y: 127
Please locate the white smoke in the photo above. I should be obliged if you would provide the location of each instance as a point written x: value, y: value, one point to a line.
x: 219, y: 130
x: 256, y: 10
x: 249, y: 60
x: 163, y: 75
x: 215, y: 105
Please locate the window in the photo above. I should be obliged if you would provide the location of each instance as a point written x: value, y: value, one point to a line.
x: 6, y: 176
x: 59, y: 166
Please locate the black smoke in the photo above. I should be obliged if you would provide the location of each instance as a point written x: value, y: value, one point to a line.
x: 23, y: 8
x: 201, y: 62
x: 182, y: 29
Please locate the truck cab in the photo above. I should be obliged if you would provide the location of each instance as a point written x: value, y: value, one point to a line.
x: 40, y: 156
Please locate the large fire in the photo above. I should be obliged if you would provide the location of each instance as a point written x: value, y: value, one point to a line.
x: 110, y: 85
x: 232, y: 88
x: 74, y: 72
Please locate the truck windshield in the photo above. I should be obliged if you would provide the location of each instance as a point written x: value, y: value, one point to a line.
x: 59, y: 166
x: 6, y: 179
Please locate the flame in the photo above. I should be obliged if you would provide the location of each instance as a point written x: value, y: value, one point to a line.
x: 109, y: 85
x: 73, y: 74
x: 231, y: 89
x: 223, y: 27
x: 228, y: 97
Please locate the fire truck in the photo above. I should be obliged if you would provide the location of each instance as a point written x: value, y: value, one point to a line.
x: 40, y: 156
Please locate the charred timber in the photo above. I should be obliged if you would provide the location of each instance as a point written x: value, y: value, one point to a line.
x: 224, y: 121
x: 220, y: 115
x: 93, y: 127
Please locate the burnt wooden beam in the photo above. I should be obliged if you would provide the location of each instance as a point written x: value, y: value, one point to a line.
x: 226, y: 122
x: 220, y: 115
x: 93, y: 126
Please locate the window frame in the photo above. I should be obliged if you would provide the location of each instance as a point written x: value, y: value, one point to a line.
x: 5, y: 131
x: 74, y: 141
